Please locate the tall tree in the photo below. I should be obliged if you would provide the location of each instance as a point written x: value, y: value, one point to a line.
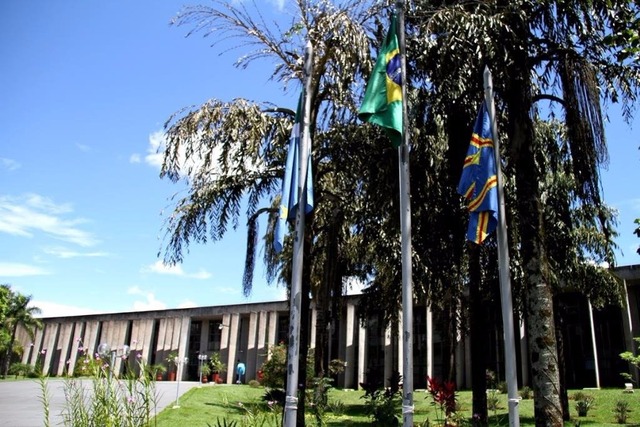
x: 545, y: 55
x: 18, y: 313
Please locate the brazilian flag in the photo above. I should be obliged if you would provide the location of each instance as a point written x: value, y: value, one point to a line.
x: 382, y: 104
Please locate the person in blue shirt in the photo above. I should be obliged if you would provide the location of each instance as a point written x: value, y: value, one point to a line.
x: 240, y: 370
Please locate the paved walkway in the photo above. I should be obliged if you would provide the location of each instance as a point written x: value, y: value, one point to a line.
x: 21, y: 406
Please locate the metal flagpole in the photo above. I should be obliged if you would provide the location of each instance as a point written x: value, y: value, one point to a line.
x: 503, y: 262
x: 405, y: 226
x: 293, y: 355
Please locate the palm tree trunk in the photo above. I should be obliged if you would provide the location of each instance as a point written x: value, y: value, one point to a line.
x: 538, y: 293
x: 539, y: 296
x: 9, y: 352
x: 477, y: 329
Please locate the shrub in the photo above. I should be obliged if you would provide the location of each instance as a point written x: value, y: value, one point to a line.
x: 336, y: 407
x: 254, y: 383
x: 621, y: 411
x: 382, y: 404
x: 502, y: 387
x: 583, y: 402
x: 526, y: 392
x: 20, y: 369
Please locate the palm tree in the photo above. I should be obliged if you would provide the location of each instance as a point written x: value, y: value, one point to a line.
x: 19, y: 314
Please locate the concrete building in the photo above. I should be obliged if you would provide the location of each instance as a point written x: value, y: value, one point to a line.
x: 592, y: 340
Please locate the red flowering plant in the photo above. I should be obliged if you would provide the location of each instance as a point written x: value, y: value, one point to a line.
x: 444, y: 397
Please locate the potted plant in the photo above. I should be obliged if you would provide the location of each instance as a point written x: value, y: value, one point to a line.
x: 156, y: 371
x: 205, y: 371
x: 171, y: 361
x: 217, y: 366
x: 583, y: 403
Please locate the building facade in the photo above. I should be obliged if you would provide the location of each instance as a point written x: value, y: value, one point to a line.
x: 592, y: 340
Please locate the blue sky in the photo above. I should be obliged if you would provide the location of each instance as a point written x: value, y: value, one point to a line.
x: 85, y: 88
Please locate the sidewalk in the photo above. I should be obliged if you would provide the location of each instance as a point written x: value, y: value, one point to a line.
x: 20, y: 403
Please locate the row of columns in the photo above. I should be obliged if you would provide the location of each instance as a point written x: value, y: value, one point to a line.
x: 60, y: 345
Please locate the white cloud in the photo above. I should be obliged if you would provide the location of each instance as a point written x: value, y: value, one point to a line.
x: 12, y: 269
x: 53, y: 309
x: 135, y: 158
x: 160, y: 267
x: 150, y: 301
x: 65, y: 253
x: 9, y: 164
x: 84, y: 148
x: 155, y: 150
x: 31, y: 213
x: 279, y: 4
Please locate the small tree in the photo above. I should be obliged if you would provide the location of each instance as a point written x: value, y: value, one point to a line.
x: 632, y: 359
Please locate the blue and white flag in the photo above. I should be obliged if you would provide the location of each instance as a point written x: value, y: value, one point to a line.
x: 289, y: 200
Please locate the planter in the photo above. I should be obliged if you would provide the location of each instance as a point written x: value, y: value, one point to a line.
x: 158, y: 376
x: 205, y: 380
x: 216, y: 377
x: 172, y: 376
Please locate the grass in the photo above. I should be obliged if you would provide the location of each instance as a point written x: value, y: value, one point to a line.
x: 205, y: 405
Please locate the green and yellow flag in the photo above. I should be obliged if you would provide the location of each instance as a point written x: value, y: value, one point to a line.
x: 382, y: 104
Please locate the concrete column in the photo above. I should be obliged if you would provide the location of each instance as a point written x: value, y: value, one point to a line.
x: 135, y: 342
x: 273, y: 331
x: 31, y: 347
x: 37, y: 346
x: 524, y: 353
x: 176, y: 334
x: 224, y: 338
x: 429, y: 321
x: 400, y: 344
x: 161, y: 345
x: 147, y: 329
x: 75, y: 346
x: 362, y: 354
x: 233, y: 346
x: 119, y: 336
x: 251, y: 347
x: 388, y: 356
x: 107, y: 333
x: 627, y: 323
x: 595, y: 347
x: 314, y: 319
x: 349, y: 346
x: 182, y: 334
x: 63, y: 346
x: 262, y: 336
x: 50, y: 335
x: 91, y: 337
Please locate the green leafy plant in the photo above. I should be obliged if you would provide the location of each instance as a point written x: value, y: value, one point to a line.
x: 526, y: 392
x: 583, y: 403
x: 127, y: 402
x: 382, y: 404
x: 633, y: 360
x: 621, y: 411
x: 216, y: 363
x: 20, y: 369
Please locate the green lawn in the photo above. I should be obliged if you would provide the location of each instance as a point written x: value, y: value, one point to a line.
x: 244, y: 404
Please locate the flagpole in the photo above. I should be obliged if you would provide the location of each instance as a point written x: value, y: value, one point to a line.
x: 405, y: 226
x: 293, y: 352
x: 503, y: 262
